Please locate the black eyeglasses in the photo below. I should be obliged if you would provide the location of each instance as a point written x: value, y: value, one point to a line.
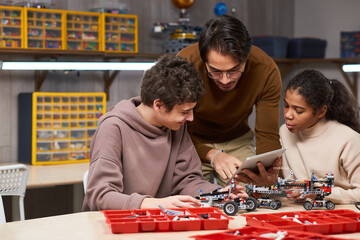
x: 217, y: 75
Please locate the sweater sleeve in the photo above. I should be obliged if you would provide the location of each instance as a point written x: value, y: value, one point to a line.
x: 267, y: 115
x: 187, y: 178
x: 350, y: 162
x: 105, y: 179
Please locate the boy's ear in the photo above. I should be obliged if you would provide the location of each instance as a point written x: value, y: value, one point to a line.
x: 323, y: 111
x: 157, y: 104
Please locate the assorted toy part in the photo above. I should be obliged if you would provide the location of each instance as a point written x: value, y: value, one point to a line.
x: 222, y: 200
x: 150, y: 220
x: 262, y: 233
x: 323, y: 221
x: 284, y: 187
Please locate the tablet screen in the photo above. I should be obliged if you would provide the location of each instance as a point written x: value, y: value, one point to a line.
x: 267, y: 159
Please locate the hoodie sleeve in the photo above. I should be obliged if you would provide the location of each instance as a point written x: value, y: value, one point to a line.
x: 105, y: 179
x: 187, y: 178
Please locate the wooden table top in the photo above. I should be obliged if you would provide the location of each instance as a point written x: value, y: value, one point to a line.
x: 92, y: 225
x: 53, y: 175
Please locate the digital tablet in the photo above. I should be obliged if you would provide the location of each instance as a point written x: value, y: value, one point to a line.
x: 267, y: 159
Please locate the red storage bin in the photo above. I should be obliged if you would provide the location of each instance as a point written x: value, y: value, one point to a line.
x: 260, y: 233
x: 325, y: 222
x: 185, y: 223
x: 146, y: 220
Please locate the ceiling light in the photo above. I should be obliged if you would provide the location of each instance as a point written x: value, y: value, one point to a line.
x: 83, y: 66
x: 351, y: 68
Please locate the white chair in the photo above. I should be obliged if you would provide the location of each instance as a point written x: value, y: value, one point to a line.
x: 13, y: 179
x: 85, y: 179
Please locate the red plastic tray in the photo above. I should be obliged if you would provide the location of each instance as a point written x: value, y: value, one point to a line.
x: 149, y: 220
x: 260, y: 233
x: 325, y: 221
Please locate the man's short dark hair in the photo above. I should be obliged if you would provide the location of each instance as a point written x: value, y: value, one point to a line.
x: 173, y: 80
x: 226, y: 35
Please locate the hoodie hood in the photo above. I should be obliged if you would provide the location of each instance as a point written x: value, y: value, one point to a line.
x: 126, y: 111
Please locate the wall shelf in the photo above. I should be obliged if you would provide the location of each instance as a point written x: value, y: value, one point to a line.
x: 285, y: 64
x: 34, y: 28
x: 338, y: 62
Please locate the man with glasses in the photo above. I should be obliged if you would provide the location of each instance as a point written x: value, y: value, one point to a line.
x: 237, y: 76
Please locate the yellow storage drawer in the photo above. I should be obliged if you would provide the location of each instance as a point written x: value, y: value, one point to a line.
x: 44, y: 28
x: 11, y: 27
x: 120, y: 33
x: 57, y: 127
x: 83, y: 31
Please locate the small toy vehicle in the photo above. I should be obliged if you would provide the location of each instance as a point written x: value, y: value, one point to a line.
x: 222, y: 200
x: 308, y: 205
x: 319, y: 187
x: 272, y: 203
x: 232, y: 207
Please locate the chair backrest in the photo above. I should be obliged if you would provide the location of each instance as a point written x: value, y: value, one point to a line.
x: 13, y: 179
x: 85, y: 179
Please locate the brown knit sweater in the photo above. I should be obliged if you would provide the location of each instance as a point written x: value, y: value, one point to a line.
x: 222, y: 116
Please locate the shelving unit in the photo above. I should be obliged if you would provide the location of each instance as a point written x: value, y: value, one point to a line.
x: 50, y: 29
x: 121, y: 33
x: 58, y: 127
x: 44, y: 28
x: 11, y: 27
x: 83, y: 31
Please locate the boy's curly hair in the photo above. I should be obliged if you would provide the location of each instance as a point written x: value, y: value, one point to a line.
x: 173, y: 80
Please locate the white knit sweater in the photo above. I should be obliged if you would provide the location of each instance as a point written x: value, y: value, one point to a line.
x: 326, y: 147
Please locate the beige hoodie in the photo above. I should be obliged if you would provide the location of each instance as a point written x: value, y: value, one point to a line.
x: 131, y: 160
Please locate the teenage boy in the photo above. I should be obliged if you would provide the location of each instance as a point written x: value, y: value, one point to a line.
x: 141, y: 154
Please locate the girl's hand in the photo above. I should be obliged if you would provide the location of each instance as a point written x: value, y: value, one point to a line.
x: 297, y: 196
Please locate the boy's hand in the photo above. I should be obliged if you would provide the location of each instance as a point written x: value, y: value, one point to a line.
x: 178, y: 201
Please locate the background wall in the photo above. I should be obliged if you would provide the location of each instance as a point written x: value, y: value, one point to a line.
x: 324, y: 19
x: 291, y: 18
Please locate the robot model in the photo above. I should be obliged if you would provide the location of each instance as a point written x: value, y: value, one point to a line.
x: 284, y: 187
x: 222, y: 200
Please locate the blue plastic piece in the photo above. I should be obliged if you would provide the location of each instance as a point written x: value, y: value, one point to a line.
x: 220, y: 9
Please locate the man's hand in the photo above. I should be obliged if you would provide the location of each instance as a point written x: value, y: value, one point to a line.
x: 236, y: 192
x: 178, y: 201
x: 224, y: 164
x: 264, y: 178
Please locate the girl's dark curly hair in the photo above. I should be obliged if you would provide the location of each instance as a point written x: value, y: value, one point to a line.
x: 173, y: 80
x: 319, y: 91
